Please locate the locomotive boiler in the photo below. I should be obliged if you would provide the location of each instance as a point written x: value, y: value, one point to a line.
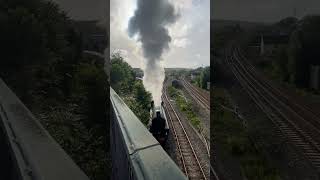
x: 158, y: 124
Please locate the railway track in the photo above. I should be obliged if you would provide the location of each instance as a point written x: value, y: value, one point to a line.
x: 201, y: 99
x: 309, y: 114
x: 297, y: 125
x: 197, y: 95
x: 188, y: 161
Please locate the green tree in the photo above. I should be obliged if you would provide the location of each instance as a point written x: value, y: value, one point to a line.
x: 121, y: 75
x: 42, y: 63
x: 142, y: 96
x: 204, y: 77
x: 123, y: 81
x: 91, y: 82
x: 303, y: 50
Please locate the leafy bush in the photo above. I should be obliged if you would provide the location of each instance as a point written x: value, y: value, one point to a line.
x: 232, y: 136
x: 292, y: 62
x: 39, y: 44
x: 123, y: 81
x: 185, y: 106
x: 91, y: 82
x: 41, y: 54
x: 202, y: 79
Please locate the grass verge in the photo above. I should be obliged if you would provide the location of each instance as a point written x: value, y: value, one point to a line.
x: 233, y: 137
x: 185, y: 106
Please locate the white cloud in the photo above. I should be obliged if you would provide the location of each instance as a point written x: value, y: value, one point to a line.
x: 120, y: 13
x: 179, y: 29
x: 181, y: 42
x: 181, y: 5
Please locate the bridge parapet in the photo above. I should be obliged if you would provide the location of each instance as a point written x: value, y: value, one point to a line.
x: 135, y: 153
x: 34, y: 154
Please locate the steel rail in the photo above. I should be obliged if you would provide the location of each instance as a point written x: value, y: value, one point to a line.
x: 185, y: 135
x: 300, y: 107
x: 195, y: 89
x: 135, y: 153
x: 204, y: 101
x: 196, y: 95
x: 315, y: 132
x: 201, y: 99
x: 197, y: 92
x: 262, y: 95
x: 206, y: 144
x: 297, y: 136
x: 178, y: 143
x: 201, y: 93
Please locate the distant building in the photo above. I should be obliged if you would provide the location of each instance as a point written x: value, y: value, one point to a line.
x: 267, y: 42
x: 194, y: 75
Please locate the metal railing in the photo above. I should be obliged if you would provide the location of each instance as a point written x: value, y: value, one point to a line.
x: 30, y: 152
x: 135, y: 153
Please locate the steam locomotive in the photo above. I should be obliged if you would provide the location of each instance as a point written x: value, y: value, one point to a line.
x: 158, y: 124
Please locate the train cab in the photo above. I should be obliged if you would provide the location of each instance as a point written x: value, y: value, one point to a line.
x: 158, y: 124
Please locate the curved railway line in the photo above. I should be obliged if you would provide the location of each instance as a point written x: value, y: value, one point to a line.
x: 188, y: 161
x: 296, y: 122
x: 312, y: 116
x: 199, y: 96
x: 203, y: 99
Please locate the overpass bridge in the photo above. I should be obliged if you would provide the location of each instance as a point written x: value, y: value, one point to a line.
x: 28, y: 152
x: 135, y: 153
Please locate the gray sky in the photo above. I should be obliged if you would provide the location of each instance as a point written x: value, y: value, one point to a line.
x: 190, y: 44
x: 262, y: 10
x: 84, y: 9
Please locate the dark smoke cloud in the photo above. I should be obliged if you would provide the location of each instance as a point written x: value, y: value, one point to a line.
x: 149, y: 22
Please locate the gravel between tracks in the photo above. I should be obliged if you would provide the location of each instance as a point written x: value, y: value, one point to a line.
x: 197, y: 143
x: 263, y: 133
x: 199, y: 147
x: 203, y: 114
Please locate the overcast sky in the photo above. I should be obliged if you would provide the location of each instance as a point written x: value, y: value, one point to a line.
x: 84, y: 9
x: 190, y: 44
x: 190, y: 34
x: 262, y: 10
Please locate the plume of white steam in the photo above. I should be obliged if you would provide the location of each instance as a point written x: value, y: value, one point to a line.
x: 149, y: 23
x: 153, y: 80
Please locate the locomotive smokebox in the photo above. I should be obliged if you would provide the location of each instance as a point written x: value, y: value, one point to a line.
x: 158, y: 124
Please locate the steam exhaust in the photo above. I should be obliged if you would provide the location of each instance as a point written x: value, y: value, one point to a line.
x: 149, y: 24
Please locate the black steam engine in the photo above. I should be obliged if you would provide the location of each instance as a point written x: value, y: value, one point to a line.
x: 158, y: 124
